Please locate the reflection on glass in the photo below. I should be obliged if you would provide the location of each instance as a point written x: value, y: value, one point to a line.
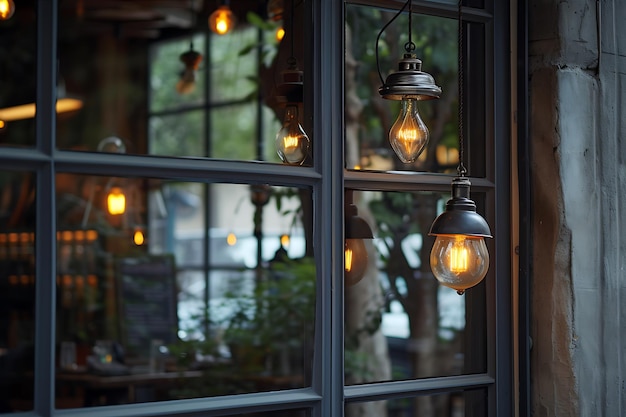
x: 170, y: 73
x: 155, y: 304
x: 471, y: 403
x: 18, y: 66
x: 400, y: 322
x: 368, y: 123
x: 179, y: 134
x: 165, y: 85
x: 17, y: 291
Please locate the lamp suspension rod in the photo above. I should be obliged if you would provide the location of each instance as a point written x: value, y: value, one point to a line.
x: 462, y: 171
x: 382, y: 81
x: 291, y: 61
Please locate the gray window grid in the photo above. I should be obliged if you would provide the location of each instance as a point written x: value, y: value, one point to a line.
x: 327, y: 394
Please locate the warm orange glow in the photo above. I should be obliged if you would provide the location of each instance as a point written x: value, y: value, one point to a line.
x: 280, y: 34
x: 7, y: 8
x: 27, y: 111
x: 284, y: 240
x: 459, y: 256
x: 348, y: 259
x: 92, y: 235
x: 291, y: 143
x: 139, y: 237
x: 222, y: 20
x: 408, y: 135
x: 92, y: 280
x: 231, y: 239
x: 2, y: 124
x: 116, y: 201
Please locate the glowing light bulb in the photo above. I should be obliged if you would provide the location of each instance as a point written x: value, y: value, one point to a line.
x: 459, y: 261
x: 116, y: 201
x: 280, y: 34
x: 231, y: 239
x: 408, y: 135
x: 7, y: 8
x: 292, y: 142
x: 284, y: 240
x: 138, y: 237
x: 355, y: 261
x: 222, y: 20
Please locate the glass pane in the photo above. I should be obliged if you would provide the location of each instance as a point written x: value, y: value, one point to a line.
x: 178, y: 73
x: 471, y: 403
x: 179, y: 134
x: 400, y: 323
x: 17, y: 290
x: 18, y: 72
x: 235, y: 65
x: 155, y: 78
x: 190, y: 290
x: 369, y: 117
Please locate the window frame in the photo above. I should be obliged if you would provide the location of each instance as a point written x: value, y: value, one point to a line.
x: 327, y: 178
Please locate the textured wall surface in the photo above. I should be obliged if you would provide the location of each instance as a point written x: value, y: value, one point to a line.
x: 578, y: 64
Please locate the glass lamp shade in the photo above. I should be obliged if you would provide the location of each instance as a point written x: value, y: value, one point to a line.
x: 459, y: 261
x: 292, y: 142
x: 222, y: 20
x: 355, y: 261
x: 459, y: 258
x: 408, y: 135
x: 7, y: 8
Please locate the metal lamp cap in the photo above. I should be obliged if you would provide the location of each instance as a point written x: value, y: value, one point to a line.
x: 460, y: 217
x: 410, y: 82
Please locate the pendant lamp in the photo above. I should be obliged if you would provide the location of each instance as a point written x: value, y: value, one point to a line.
x: 409, y: 135
x: 292, y: 142
x: 355, y: 253
x: 459, y: 258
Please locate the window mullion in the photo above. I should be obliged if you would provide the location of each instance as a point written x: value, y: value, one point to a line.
x: 45, y: 236
x: 326, y: 62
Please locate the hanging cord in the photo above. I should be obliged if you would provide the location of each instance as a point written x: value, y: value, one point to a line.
x: 409, y: 46
x: 462, y: 171
x: 292, y: 62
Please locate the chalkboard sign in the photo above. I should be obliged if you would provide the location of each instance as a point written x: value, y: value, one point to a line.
x: 146, y: 288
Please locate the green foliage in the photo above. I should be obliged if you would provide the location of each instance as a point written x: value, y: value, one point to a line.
x: 280, y: 311
x: 233, y: 74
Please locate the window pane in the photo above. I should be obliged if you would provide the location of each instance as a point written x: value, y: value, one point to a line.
x: 191, y: 290
x: 18, y: 71
x: 471, y: 403
x: 173, y: 84
x: 180, y: 134
x: 234, y: 65
x: 17, y: 290
x: 369, y: 117
x: 400, y: 323
x: 123, y: 63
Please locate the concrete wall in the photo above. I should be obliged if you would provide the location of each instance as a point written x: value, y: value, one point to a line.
x: 577, y: 68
